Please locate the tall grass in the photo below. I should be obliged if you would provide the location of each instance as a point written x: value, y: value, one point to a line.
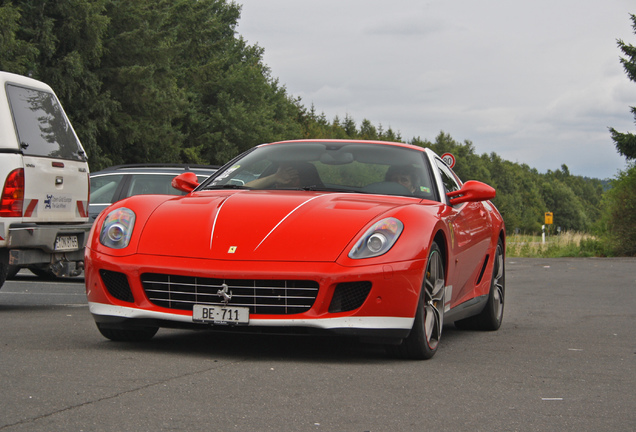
x: 566, y: 244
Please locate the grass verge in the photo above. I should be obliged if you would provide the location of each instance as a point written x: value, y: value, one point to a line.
x: 566, y: 244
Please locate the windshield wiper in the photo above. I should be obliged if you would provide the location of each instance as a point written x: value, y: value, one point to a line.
x: 325, y: 189
x: 226, y: 186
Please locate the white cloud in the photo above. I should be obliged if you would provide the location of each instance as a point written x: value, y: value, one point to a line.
x: 537, y: 82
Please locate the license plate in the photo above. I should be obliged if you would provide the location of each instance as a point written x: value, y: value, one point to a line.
x: 220, y: 314
x: 66, y: 243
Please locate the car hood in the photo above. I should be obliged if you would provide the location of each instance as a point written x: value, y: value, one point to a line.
x: 261, y: 225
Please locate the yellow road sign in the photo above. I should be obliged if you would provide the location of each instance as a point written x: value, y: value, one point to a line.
x: 548, y: 218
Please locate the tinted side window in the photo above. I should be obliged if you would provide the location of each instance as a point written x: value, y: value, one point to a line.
x: 103, y: 188
x: 41, y: 125
x: 145, y: 184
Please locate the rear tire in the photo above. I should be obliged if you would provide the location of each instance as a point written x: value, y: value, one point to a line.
x: 423, y: 340
x: 140, y: 334
x: 490, y: 318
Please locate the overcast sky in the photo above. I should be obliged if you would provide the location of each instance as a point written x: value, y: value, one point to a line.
x: 536, y: 82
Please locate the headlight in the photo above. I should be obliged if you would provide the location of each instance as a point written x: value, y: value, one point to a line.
x: 117, y: 228
x: 378, y: 239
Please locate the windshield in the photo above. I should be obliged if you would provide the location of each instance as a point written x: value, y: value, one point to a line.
x: 330, y: 166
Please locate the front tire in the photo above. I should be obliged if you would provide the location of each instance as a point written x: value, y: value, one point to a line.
x: 423, y: 340
x: 139, y: 334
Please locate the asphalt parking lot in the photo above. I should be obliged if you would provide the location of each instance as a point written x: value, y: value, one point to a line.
x: 564, y: 360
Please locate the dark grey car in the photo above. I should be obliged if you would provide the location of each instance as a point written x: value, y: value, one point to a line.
x: 122, y: 181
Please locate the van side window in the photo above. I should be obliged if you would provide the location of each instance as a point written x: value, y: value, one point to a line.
x: 41, y: 125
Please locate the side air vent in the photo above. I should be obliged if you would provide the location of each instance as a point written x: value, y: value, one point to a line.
x: 349, y: 296
x: 483, y: 270
x: 117, y: 285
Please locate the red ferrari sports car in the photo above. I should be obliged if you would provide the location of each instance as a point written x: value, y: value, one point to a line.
x: 375, y: 240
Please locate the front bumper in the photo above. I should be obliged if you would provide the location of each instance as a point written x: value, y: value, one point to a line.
x: 387, y: 311
x: 365, y: 327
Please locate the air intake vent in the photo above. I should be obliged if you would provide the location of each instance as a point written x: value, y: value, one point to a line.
x: 117, y: 285
x: 483, y: 269
x: 349, y: 296
x: 275, y: 297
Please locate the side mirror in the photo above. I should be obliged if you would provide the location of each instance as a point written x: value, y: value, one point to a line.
x: 472, y: 191
x: 185, y: 182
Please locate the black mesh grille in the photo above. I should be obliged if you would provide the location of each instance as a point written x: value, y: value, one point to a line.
x: 277, y: 297
x: 349, y: 296
x: 117, y: 285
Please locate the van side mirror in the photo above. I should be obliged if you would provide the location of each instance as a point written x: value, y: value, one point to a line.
x: 185, y: 182
x: 472, y: 191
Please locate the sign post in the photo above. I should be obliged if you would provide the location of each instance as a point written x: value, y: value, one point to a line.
x: 548, y: 221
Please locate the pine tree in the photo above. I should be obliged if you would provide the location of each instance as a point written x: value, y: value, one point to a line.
x: 626, y: 142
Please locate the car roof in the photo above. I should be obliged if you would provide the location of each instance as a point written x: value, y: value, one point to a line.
x: 346, y: 141
x: 157, y: 169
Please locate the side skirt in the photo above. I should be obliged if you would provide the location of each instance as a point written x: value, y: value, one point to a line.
x: 466, y: 309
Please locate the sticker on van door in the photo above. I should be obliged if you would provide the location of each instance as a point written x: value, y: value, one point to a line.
x: 58, y: 202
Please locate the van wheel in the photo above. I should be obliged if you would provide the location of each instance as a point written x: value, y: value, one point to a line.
x: 4, y: 265
x: 13, y: 271
x: 42, y: 272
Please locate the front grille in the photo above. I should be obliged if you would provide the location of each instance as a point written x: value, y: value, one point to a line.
x: 349, y: 296
x: 275, y: 297
x: 117, y: 285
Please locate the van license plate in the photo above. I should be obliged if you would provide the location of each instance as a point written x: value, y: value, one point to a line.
x: 66, y: 243
x: 220, y: 314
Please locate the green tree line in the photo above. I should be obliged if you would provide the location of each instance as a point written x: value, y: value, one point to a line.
x: 173, y: 81
x: 160, y: 81
x: 619, y: 209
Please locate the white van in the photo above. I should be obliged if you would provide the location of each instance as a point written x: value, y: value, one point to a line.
x: 45, y: 182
